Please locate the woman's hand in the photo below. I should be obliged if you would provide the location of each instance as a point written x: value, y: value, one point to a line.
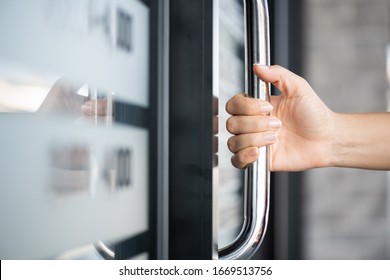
x: 297, y: 124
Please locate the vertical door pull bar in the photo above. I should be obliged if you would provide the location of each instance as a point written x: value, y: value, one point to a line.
x: 256, y: 193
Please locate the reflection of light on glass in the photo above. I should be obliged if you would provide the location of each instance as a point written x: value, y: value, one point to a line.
x: 83, y: 91
x: 20, y: 97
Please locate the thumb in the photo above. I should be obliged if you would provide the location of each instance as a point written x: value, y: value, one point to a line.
x: 284, y: 80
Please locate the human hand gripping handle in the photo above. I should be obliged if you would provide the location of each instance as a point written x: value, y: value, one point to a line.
x: 297, y: 125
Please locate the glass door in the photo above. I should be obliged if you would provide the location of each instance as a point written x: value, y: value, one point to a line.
x: 77, y: 117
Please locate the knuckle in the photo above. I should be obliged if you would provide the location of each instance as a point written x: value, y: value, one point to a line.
x: 233, y: 103
x: 228, y: 106
x: 231, y: 143
x: 230, y: 124
x: 302, y: 81
x: 240, y: 160
x: 233, y: 161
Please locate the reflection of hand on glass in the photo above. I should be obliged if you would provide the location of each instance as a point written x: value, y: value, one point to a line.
x: 311, y: 135
x: 81, y: 102
x: 62, y: 98
x: 98, y: 104
x: 97, y: 110
x: 95, y: 107
x: 72, y: 165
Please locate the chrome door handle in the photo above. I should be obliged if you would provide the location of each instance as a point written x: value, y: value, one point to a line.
x: 257, y: 177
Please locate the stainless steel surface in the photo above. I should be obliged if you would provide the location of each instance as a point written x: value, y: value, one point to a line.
x: 256, y: 197
x: 104, y: 250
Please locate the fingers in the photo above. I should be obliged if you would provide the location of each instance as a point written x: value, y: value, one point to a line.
x: 286, y: 81
x: 251, y: 132
x: 251, y: 121
x: 252, y: 124
x: 95, y: 107
x: 243, y: 141
x: 242, y: 105
x: 245, y: 157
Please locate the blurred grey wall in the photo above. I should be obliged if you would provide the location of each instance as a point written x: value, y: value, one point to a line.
x: 345, y: 211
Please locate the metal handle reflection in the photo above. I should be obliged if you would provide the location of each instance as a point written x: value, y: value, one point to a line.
x: 256, y: 195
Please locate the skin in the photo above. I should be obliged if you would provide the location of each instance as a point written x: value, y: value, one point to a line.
x: 302, y: 132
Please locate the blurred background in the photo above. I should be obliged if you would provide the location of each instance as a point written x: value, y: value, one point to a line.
x: 340, y: 48
x: 345, y: 212
x: 117, y: 99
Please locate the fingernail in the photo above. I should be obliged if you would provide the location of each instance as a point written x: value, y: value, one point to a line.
x: 264, y: 67
x: 271, y: 137
x: 274, y: 123
x: 266, y: 108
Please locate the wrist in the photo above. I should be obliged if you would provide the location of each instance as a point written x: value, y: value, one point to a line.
x: 338, y: 142
x: 331, y: 145
x: 348, y: 141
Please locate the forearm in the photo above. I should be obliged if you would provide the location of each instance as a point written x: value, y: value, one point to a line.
x: 361, y: 141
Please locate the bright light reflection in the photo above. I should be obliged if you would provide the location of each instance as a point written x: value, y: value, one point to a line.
x: 21, y: 98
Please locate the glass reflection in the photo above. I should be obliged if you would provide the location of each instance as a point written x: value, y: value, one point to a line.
x: 72, y: 165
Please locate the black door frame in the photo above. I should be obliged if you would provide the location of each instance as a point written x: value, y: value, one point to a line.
x: 191, y: 129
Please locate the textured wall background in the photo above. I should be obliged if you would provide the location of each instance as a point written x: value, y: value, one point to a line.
x: 345, y: 212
